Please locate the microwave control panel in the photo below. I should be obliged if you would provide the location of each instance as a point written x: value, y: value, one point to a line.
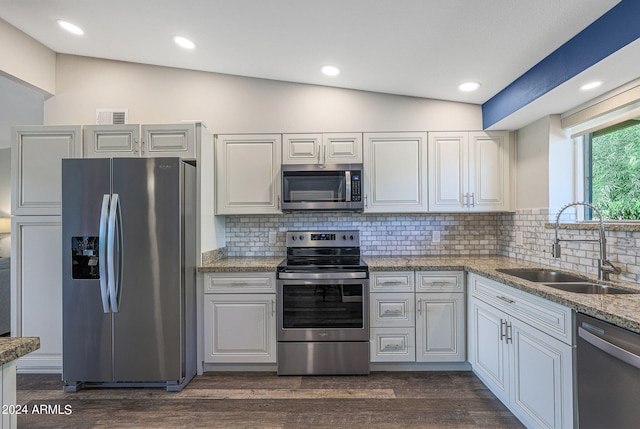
x: 356, y: 187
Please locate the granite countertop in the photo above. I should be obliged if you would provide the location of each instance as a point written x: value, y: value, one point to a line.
x: 11, y: 348
x: 242, y: 264
x: 621, y: 310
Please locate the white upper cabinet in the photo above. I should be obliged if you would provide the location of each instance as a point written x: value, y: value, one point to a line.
x: 132, y: 140
x: 470, y: 171
x: 248, y: 174
x: 36, y: 176
x: 395, y: 176
x: 104, y: 141
x: 328, y: 148
x: 168, y: 140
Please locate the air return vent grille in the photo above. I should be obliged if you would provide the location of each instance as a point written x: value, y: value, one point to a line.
x: 112, y: 116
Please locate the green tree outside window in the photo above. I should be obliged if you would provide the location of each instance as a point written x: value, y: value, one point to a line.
x: 615, y: 171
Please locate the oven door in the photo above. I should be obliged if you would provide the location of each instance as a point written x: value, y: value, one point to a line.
x: 323, y: 310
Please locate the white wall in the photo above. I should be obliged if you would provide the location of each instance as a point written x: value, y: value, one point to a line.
x: 26, y: 60
x: 19, y: 105
x: 233, y: 104
x: 532, y: 160
x: 561, y: 167
x: 5, y: 198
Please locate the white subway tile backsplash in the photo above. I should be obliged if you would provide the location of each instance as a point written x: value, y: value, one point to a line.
x: 460, y: 234
x: 622, y: 246
x: 380, y: 235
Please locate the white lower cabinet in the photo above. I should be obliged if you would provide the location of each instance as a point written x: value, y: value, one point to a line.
x: 239, y: 324
x: 36, y: 290
x: 8, y: 399
x: 393, y: 344
x: 530, y: 370
x: 392, y: 316
x: 428, y: 326
x: 440, y: 327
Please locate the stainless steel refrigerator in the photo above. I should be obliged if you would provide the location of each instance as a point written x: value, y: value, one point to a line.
x: 129, y: 267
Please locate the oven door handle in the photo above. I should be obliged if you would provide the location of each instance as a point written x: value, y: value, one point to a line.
x: 323, y: 276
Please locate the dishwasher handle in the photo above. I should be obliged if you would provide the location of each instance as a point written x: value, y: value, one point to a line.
x: 611, y: 349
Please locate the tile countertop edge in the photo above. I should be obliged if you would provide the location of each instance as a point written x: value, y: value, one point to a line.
x: 12, y: 348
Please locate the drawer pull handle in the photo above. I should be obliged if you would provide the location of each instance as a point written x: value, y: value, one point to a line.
x: 393, y: 346
x: 394, y: 312
x: 392, y: 282
x: 505, y: 299
x: 440, y: 283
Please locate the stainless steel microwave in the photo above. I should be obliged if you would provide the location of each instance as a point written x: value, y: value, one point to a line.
x: 322, y: 187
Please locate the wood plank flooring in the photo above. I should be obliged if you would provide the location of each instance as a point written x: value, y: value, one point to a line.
x: 402, y: 400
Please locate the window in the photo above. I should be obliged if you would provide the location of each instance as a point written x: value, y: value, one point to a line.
x: 612, y: 171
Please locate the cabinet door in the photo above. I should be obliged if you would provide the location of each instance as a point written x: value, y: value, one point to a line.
x: 36, y: 293
x: 448, y: 171
x: 342, y: 148
x: 168, y: 140
x: 395, y: 172
x: 105, y: 141
x: 488, y: 352
x: 489, y: 171
x: 542, y: 378
x: 302, y: 149
x: 240, y: 328
x: 248, y: 174
x: 36, y: 176
x: 440, y: 327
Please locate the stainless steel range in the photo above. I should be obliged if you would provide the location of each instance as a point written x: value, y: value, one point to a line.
x: 323, y: 305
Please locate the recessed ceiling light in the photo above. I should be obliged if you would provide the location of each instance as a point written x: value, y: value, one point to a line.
x: 591, y: 85
x: 71, y: 28
x: 184, y: 42
x: 330, y: 70
x: 469, y: 86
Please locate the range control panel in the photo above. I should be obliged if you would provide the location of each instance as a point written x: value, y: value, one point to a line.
x: 348, y: 238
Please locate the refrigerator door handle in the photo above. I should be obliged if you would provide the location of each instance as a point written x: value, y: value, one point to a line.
x: 102, y: 247
x: 113, y: 280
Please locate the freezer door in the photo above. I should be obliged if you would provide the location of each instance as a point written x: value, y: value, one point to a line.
x: 148, y: 324
x: 86, y: 327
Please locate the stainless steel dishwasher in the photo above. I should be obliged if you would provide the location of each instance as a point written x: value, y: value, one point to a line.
x: 608, y: 372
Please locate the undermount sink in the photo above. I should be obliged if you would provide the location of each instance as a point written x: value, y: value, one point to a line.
x: 589, y: 288
x: 542, y: 276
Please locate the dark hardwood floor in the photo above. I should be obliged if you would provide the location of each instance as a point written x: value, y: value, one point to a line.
x: 399, y: 400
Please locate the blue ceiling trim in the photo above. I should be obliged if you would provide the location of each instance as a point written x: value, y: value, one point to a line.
x: 609, y: 33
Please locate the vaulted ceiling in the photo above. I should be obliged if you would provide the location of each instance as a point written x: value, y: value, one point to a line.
x: 421, y: 48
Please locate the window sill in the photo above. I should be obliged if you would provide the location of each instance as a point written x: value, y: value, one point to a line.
x: 633, y: 226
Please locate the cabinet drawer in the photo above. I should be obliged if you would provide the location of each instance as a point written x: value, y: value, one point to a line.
x: 393, y: 345
x: 549, y: 317
x: 391, y: 281
x: 240, y: 283
x: 392, y: 310
x: 440, y: 281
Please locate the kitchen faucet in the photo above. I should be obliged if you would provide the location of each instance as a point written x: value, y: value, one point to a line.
x: 604, y: 266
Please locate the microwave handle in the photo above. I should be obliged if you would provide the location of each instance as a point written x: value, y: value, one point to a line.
x: 347, y: 179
